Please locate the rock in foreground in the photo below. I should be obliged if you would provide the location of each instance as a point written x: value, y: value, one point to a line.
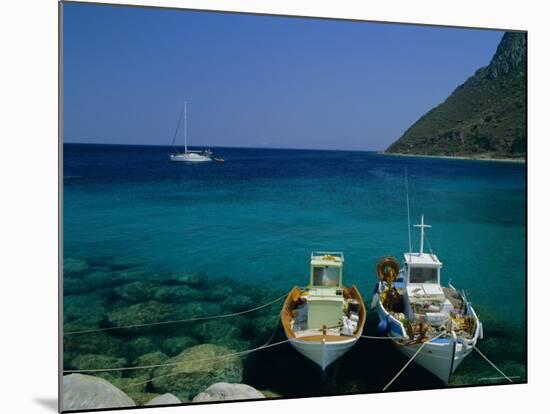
x: 197, y: 368
x: 164, y: 399
x: 81, y: 392
x: 223, y: 391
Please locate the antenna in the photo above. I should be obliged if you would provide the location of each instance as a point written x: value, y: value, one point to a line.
x: 422, y: 227
x: 185, y: 124
x: 408, y: 210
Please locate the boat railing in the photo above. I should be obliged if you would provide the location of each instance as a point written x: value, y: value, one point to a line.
x: 477, y: 331
x: 321, y: 254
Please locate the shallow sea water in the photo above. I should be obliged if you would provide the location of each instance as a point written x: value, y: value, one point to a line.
x: 233, y: 235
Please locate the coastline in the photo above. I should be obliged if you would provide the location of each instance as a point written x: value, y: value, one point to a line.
x: 457, y: 157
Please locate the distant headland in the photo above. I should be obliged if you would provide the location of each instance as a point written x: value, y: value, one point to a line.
x: 484, y: 118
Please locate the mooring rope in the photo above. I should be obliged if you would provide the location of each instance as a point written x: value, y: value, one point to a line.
x: 265, y: 345
x: 410, y: 360
x: 248, y: 351
x: 493, y: 365
x: 200, y: 318
x: 221, y: 357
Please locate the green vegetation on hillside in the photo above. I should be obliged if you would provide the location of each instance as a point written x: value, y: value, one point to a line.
x: 483, y: 117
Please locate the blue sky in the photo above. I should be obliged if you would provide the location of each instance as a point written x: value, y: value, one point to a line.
x: 255, y: 81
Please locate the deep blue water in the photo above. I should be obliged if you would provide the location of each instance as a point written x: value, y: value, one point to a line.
x: 256, y: 218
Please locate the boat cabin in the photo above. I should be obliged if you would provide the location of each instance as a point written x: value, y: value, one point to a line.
x: 326, y: 270
x: 325, y: 299
x: 325, y: 308
x: 424, y: 297
x: 422, y: 268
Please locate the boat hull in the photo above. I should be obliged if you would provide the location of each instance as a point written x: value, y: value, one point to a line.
x: 320, y: 348
x: 323, y: 353
x: 441, y: 356
x: 190, y: 157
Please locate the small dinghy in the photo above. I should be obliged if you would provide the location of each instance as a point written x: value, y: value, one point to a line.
x: 413, y: 306
x: 325, y: 319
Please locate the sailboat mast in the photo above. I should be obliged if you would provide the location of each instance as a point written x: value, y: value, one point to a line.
x: 185, y: 124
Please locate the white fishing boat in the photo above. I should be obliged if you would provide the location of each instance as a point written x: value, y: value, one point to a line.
x: 415, y: 309
x: 325, y: 319
x: 188, y: 155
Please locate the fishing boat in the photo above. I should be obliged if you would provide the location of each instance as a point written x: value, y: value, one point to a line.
x: 188, y: 155
x: 435, y: 325
x: 325, y: 319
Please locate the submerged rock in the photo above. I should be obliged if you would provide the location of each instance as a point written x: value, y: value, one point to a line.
x: 153, y: 358
x: 223, y: 392
x: 143, y: 345
x: 90, y: 281
x: 164, y: 399
x: 94, y: 343
x: 220, y: 291
x: 95, y: 361
x: 197, y: 368
x: 199, y: 309
x: 72, y: 265
x: 237, y: 303
x: 191, y: 279
x: 135, y: 387
x: 140, y: 291
x: 81, y: 392
x: 82, y: 312
x: 222, y: 332
x: 262, y: 327
x: 176, y: 345
x: 141, y: 313
x: 134, y: 274
x: 177, y: 294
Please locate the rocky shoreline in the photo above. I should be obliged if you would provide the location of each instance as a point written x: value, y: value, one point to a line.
x: 477, y: 157
x: 83, y: 392
x: 181, y: 359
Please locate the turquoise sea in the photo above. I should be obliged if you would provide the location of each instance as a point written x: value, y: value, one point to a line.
x: 246, y: 227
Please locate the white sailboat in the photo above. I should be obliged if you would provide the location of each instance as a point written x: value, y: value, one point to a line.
x: 414, y: 307
x: 188, y: 155
x: 325, y: 319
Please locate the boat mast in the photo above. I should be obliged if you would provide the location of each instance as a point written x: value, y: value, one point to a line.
x: 185, y: 124
x: 176, y: 133
x: 422, y: 227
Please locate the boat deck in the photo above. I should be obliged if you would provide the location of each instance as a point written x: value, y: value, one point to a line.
x: 316, y: 332
x: 327, y: 338
x: 296, y: 327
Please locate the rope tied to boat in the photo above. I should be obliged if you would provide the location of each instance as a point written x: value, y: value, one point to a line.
x: 266, y: 345
x: 221, y: 357
x: 168, y: 364
x: 199, y: 318
x: 493, y: 365
x: 411, y: 360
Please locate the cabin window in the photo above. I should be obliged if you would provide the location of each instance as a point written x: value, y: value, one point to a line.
x: 423, y: 275
x: 326, y: 276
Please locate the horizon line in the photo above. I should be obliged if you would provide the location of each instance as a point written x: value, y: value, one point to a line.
x: 226, y: 146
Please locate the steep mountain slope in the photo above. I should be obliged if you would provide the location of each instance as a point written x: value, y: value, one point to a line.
x: 483, y: 117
